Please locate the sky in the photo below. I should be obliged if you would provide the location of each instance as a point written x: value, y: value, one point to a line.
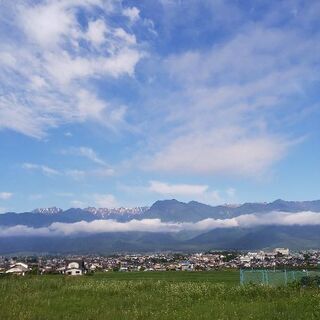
x: 112, y: 103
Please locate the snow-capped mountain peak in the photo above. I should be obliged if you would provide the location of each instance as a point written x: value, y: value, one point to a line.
x: 119, y: 211
x: 52, y: 210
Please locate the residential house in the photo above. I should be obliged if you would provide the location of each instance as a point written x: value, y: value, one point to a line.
x: 75, y: 268
x: 19, y: 268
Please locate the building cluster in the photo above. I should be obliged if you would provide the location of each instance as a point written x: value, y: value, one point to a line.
x: 277, y: 258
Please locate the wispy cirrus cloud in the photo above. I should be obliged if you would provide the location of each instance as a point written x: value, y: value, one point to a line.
x: 85, y: 152
x: 227, y: 103
x: 49, y: 58
x: 103, y: 169
x: 48, y: 171
x: 177, y: 189
x: 201, y: 92
x: 76, y: 174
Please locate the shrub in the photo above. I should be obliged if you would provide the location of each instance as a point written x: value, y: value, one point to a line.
x: 310, y: 281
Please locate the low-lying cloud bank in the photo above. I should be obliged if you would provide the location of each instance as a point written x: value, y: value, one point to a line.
x: 156, y: 225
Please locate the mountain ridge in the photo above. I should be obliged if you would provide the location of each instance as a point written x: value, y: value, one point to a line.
x: 231, y: 237
x: 166, y: 210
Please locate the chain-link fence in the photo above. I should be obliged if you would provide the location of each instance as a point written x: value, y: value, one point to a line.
x: 274, y: 277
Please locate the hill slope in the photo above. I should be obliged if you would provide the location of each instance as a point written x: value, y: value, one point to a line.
x: 294, y: 236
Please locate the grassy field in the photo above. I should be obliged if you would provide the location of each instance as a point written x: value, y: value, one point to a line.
x: 165, y: 295
x: 225, y: 277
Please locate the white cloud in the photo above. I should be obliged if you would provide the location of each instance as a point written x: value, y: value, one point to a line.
x: 78, y: 204
x: 89, y: 105
x: 100, y: 226
x: 105, y: 201
x: 212, y: 197
x: 47, y: 23
x: 219, y: 108
x: 177, y: 189
x: 279, y: 218
x: 85, y: 152
x: 42, y: 168
x: 213, y: 152
x: 64, y: 69
x: 64, y: 194
x: 231, y: 192
x: 123, y: 35
x: 16, y: 117
x: 37, y: 82
x: 184, y: 192
x: 96, y: 31
x: 104, y: 170
x: 156, y: 225
x: 5, y: 195
x: 132, y: 13
x: 48, y: 61
x: 221, y: 118
x: 98, y: 200
x: 76, y: 174
x: 36, y: 196
x: 21, y: 230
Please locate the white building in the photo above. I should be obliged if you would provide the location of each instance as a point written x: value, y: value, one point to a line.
x: 75, y: 268
x: 246, y: 259
x: 186, y: 266
x: 283, y: 251
x: 18, y: 268
x: 260, y: 255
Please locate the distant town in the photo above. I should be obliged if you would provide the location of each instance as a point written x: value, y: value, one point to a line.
x: 278, y: 258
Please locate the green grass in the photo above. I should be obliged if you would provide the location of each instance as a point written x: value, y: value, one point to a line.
x: 165, y: 295
x: 229, y: 277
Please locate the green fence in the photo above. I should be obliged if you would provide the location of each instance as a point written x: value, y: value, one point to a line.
x: 273, y: 277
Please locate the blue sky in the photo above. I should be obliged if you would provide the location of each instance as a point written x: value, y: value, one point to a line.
x: 121, y: 103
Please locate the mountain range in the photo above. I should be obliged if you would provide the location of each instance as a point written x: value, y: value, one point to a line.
x: 295, y: 236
